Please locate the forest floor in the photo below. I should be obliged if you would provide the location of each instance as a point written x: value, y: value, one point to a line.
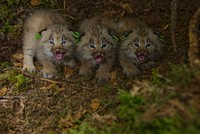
x: 165, y: 99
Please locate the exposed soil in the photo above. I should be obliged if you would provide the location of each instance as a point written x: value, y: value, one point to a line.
x: 40, y: 108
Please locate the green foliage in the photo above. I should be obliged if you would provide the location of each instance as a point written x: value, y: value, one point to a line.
x: 4, y: 65
x: 12, y: 77
x: 156, y: 80
x: 9, y: 17
x: 129, y: 106
x: 107, y: 88
x: 22, y: 82
x: 181, y: 75
x: 84, y: 128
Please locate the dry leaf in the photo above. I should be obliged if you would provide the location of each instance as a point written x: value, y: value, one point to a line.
x: 95, y: 104
x: 17, y: 59
x: 35, y: 2
x: 141, y: 87
x: 68, y: 121
x: 108, y: 119
x: 81, y: 112
x: 17, y: 56
x: 127, y: 7
x: 165, y: 27
x: 47, y: 87
x: 113, y: 78
x: 180, y: 107
x: 3, y: 91
x: 17, y: 64
x: 68, y: 72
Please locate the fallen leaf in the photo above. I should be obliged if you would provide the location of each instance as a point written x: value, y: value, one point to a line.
x: 3, y: 91
x: 127, y: 7
x: 141, y: 87
x: 35, y: 2
x: 68, y: 121
x: 47, y: 87
x: 68, y: 72
x: 95, y: 104
x: 17, y: 64
x: 165, y: 27
x: 17, y: 56
x: 113, y: 78
x: 81, y: 112
x: 108, y: 119
x: 17, y: 59
x: 180, y: 107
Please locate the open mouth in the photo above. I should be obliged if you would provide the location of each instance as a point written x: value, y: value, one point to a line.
x: 99, y: 57
x: 58, y: 54
x: 141, y: 56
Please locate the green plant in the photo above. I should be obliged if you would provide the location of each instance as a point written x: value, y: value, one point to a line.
x: 4, y: 64
x: 13, y: 77
x: 22, y: 82
x: 181, y: 75
x: 158, y: 79
x: 84, y: 128
x: 129, y: 106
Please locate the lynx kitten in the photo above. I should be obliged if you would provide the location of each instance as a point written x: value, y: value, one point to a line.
x: 47, y: 37
x: 96, y: 48
x: 140, y: 49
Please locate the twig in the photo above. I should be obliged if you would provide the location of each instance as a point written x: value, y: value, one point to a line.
x: 12, y: 97
x: 174, y: 4
x: 123, y: 6
x: 193, y: 39
x: 52, y: 81
x: 64, y: 4
x: 43, y: 79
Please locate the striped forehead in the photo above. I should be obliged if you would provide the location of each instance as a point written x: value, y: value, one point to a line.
x: 142, y: 33
x: 57, y: 36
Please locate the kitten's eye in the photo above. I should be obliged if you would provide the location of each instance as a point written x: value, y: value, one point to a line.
x: 63, y: 42
x: 148, y: 45
x: 51, y: 42
x: 103, y: 45
x: 92, y: 46
x: 136, y: 45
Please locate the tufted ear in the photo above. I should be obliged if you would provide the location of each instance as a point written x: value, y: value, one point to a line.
x: 76, y: 36
x: 154, y: 38
x: 45, y: 35
x: 112, y: 34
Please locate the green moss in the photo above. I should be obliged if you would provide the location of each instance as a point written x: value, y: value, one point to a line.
x: 22, y: 82
x: 13, y: 77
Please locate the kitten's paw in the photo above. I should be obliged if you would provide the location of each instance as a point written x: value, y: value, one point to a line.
x: 48, y: 73
x: 28, y: 68
x: 102, y: 78
x: 131, y: 72
x: 85, y: 72
x: 70, y: 63
x: 148, y: 65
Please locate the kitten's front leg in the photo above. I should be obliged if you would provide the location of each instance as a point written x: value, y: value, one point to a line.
x: 70, y: 62
x: 48, y: 67
x: 103, y: 73
x: 148, y: 65
x: 129, y: 68
x: 85, y: 68
x: 28, y: 60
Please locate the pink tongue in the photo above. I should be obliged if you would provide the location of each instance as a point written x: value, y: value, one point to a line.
x: 98, y: 59
x: 141, y: 57
x: 58, y: 56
